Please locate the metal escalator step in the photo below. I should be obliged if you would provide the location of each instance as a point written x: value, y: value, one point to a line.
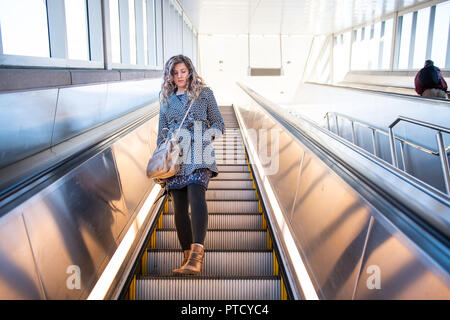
x: 230, y: 184
x: 216, y: 263
x: 223, y: 221
x: 233, y: 175
x: 231, y: 161
x: 223, y: 206
x: 223, y: 194
x: 208, y: 288
x: 217, y: 239
x: 229, y: 151
x: 230, y: 156
x: 225, y: 168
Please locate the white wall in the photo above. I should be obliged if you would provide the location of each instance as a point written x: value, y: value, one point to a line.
x: 232, y: 50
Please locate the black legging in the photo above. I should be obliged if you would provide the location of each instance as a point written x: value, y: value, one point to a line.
x: 195, y: 232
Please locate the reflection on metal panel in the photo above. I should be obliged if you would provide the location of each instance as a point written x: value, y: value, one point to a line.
x: 132, y: 154
x: 392, y: 270
x: 289, y: 160
x: 124, y: 97
x: 79, y: 108
x: 331, y: 224
x: 74, y: 223
x: 18, y: 278
x: 26, y: 123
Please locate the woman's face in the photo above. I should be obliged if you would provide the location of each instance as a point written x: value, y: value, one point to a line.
x: 180, y: 75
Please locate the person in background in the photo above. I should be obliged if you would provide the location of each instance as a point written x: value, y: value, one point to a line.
x: 429, y: 81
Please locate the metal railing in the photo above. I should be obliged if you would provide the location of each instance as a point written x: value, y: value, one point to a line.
x: 440, y: 141
x: 402, y: 141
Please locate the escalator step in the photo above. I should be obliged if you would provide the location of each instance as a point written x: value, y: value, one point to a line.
x: 199, y: 288
x: 230, y: 161
x: 216, y: 263
x: 223, y: 194
x: 236, y: 184
x: 233, y: 175
x: 221, y: 221
x: 233, y: 168
x: 223, y: 206
x: 217, y: 240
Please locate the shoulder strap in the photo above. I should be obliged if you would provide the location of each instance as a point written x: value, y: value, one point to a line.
x: 178, y: 131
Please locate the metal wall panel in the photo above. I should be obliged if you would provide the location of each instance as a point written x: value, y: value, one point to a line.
x: 26, y: 123
x: 18, y: 277
x: 403, y: 271
x: 74, y: 223
x: 331, y: 223
x: 132, y: 154
x: 79, y: 109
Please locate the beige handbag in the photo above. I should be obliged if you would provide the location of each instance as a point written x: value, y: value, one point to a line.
x: 165, y: 161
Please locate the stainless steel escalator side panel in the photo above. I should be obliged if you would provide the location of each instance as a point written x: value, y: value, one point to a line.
x: 26, y: 123
x: 19, y: 279
x: 76, y: 223
x: 330, y: 218
x: 392, y: 269
x: 331, y: 224
x: 79, y: 108
x: 131, y: 154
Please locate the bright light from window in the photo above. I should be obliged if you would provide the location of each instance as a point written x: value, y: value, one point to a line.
x: 144, y: 6
x: 405, y: 41
x: 24, y: 27
x: 440, y: 34
x: 132, y: 19
x: 420, y: 47
x: 77, y: 31
x: 387, y: 44
x: 115, y: 30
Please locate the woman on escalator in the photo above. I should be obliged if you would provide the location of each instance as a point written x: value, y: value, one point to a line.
x: 182, y: 89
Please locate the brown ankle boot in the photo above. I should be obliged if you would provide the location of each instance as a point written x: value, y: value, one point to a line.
x: 185, y: 259
x: 186, y: 256
x: 195, y: 261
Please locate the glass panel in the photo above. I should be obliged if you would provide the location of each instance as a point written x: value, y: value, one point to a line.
x: 77, y: 30
x: 115, y: 30
x: 144, y: 9
x: 132, y: 17
x: 405, y: 41
x: 374, y: 44
x: 440, y: 34
x: 387, y: 43
x: 420, y: 47
x: 356, y: 49
x: 20, y: 38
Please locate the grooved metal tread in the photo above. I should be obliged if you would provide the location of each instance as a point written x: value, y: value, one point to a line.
x: 208, y: 288
x: 218, y: 263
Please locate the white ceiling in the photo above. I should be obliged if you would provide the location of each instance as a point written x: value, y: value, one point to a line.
x: 286, y: 16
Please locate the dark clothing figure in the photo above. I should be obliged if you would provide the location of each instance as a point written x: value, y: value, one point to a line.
x: 429, y: 81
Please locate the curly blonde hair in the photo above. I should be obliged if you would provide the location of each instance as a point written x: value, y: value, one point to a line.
x: 195, y: 83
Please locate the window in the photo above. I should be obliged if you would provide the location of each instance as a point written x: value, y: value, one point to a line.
x: 144, y: 13
x: 115, y: 30
x: 420, y: 46
x: 77, y: 30
x: 440, y: 34
x: 374, y: 43
x: 386, y: 41
x: 132, y: 20
x: 405, y: 40
x: 24, y: 28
